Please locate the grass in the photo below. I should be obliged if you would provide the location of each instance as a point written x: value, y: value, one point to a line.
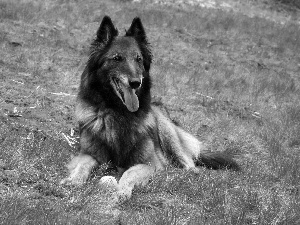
x: 230, y: 79
x: 294, y: 4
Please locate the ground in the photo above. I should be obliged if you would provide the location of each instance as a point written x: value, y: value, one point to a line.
x: 227, y: 71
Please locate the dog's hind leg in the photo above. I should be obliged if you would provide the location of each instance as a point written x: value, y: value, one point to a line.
x: 80, y: 169
x: 136, y: 175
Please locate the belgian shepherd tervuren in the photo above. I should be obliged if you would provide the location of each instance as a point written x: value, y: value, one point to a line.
x: 118, y: 123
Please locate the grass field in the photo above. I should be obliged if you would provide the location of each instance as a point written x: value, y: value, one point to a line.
x: 230, y: 79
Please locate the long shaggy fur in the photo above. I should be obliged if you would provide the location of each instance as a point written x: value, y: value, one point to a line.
x: 118, y: 123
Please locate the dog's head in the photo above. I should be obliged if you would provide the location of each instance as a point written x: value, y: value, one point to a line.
x: 119, y: 66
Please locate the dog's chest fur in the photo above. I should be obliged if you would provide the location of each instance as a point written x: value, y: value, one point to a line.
x: 121, y: 134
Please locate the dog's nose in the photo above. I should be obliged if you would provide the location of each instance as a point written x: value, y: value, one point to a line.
x: 135, y: 83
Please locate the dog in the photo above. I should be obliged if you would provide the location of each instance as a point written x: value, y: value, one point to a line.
x: 117, y: 122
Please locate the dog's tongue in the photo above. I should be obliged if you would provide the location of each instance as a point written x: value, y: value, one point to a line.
x: 131, y: 99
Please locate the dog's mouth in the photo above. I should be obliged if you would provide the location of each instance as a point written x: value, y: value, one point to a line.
x: 126, y: 94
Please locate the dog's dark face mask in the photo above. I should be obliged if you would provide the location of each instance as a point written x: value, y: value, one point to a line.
x: 125, y: 60
x: 125, y: 65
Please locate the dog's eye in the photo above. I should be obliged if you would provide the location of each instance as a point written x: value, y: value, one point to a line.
x: 117, y: 58
x: 139, y: 58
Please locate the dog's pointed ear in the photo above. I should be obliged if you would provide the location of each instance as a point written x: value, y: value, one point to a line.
x: 106, y: 31
x: 136, y: 29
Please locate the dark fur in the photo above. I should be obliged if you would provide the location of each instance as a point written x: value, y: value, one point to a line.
x: 120, y: 125
x: 95, y: 91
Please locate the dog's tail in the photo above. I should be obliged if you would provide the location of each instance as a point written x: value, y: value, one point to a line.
x: 217, y: 160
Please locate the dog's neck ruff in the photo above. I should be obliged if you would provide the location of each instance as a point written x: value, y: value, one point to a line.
x: 120, y: 133
x: 103, y: 118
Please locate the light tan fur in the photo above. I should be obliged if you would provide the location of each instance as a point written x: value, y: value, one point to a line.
x: 183, y: 145
x: 80, y: 168
x: 117, y: 122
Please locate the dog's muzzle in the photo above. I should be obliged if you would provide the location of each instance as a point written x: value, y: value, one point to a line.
x: 126, y: 90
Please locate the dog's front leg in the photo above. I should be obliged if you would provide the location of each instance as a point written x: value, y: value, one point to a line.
x: 92, y: 153
x: 136, y: 175
x: 79, y: 168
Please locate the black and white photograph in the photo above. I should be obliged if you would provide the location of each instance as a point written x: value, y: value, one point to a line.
x: 150, y: 112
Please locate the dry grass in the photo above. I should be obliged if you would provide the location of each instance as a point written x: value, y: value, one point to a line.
x: 229, y: 79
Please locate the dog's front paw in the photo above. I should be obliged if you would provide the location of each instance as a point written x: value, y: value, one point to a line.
x: 80, y: 168
x: 124, y: 193
x: 121, y: 192
x: 75, y: 179
x: 71, y: 182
